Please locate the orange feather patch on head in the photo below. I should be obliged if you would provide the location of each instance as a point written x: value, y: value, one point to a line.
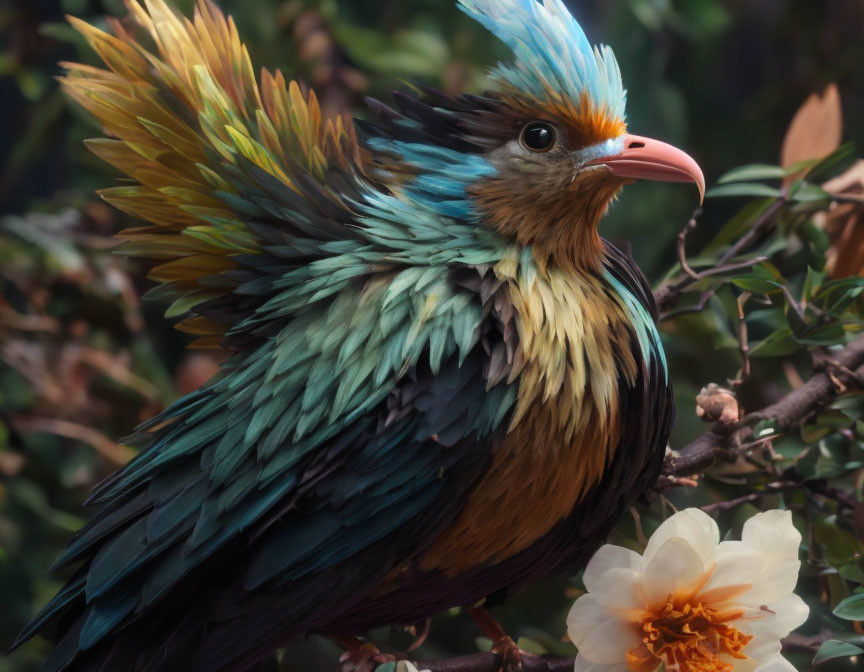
x: 582, y: 120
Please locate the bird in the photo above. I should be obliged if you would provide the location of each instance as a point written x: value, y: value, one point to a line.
x: 441, y: 382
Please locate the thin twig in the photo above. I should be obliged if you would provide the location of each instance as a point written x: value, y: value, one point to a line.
x: 799, y: 311
x: 115, y: 453
x: 682, y: 245
x: 756, y: 229
x: 667, y: 295
x: 697, y: 308
x: 731, y: 268
x: 743, y: 340
x: 491, y: 662
x: 731, y: 504
x: 840, y: 496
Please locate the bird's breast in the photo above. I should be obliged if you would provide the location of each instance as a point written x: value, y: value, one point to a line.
x: 576, y: 345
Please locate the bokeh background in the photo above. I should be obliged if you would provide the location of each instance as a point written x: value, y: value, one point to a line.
x: 83, y: 359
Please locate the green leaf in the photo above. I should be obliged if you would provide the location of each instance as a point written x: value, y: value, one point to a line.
x: 801, y: 166
x: 804, y: 192
x: 852, y: 572
x: 763, y: 279
x: 813, y: 283
x: 826, y: 334
x: 778, y: 344
x: 753, y: 171
x: 831, y: 164
x: 757, y: 285
x: 816, y: 242
x: 743, y: 189
x: 531, y: 646
x: 852, y: 608
x: 836, y: 296
x: 834, y: 648
x: 850, y: 406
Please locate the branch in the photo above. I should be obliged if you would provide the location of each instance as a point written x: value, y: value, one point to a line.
x: 724, y: 439
x: 116, y: 454
x: 491, y: 662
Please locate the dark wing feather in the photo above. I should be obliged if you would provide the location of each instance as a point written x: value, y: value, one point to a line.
x: 256, y: 547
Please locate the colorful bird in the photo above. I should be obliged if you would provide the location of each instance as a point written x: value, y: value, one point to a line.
x: 443, y: 384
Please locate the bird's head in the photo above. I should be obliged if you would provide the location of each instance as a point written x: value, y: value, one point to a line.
x: 563, y: 151
x: 552, y: 136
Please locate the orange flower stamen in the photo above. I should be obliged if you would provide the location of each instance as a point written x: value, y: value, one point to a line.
x: 688, y: 636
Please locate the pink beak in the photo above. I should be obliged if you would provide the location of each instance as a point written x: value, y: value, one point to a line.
x: 648, y: 159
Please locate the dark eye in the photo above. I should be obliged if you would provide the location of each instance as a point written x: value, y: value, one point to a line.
x: 539, y: 136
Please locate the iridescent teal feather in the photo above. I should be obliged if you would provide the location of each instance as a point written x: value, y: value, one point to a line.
x: 421, y: 407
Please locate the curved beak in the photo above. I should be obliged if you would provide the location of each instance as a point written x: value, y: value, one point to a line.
x: 649, y: 159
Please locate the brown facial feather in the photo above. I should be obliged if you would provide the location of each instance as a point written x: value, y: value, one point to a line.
x: 547, y: 201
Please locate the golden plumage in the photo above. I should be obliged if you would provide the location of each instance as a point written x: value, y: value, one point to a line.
x: 179, y: 165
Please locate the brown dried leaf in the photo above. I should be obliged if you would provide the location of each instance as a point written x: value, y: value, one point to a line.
x: 815, y: 131
x: 844, y: 224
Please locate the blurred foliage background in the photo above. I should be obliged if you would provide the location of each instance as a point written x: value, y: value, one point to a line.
x: 83, y: 359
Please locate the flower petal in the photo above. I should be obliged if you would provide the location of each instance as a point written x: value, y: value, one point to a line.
x: 772, y: 585
x: 777, y: 621
x: 741, y: 665
x: 694, y: 525
x: 762, y: 648
x: 609, y: 557
x: 584, y: 616
x: 773, y: 535
x: 776, y: 663
x: 736, y: 564
x: 609, y: 642
x: 585, y: 665
x: 676, y: 565
x: 620, y: 589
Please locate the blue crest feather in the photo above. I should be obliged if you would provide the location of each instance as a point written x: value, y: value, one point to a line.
x: 552, y: 54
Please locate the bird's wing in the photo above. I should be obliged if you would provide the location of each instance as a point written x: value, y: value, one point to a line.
x: 356, y: 411
x: 239, y: 180
x: 275, y: 497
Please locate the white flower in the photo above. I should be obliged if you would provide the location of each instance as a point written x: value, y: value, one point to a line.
x: 690, y: 601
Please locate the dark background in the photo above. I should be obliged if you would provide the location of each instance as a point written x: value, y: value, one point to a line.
x: 720, y: 78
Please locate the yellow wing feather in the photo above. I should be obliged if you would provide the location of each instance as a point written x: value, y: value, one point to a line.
x: 180, y: 113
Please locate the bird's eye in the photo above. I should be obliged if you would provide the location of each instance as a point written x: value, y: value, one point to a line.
x: 539, y: 136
